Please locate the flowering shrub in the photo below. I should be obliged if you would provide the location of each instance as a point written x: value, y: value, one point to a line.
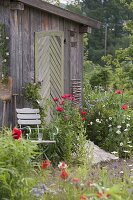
x: 69, y: 131
x: 109, y: 121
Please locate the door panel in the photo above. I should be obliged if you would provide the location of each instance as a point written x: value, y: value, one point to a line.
x: 49, y: 64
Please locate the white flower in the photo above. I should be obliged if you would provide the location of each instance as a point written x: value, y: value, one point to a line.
x: 109, y: 125
x: 128, y: 118
x: 62, y: 165
x: 121, y: 144
x: 123, y: 122
x: 128, y: 125
x: 119, y: 126
x: 7, y: 38
x: 126, y: 130
x: 38, y: 101
x: 121, y: 172
x: 103, y: 106
x: 110, y: 118
x: 114, y: 152
x: 130, y: 146
x: 129, y: 142
x: 130, y: 165
x: 118, y: 132
x: 91, y: 123
x: 7, y: 53
x: 4, y: 60
x: 97, y: 120
x: 126, y: 151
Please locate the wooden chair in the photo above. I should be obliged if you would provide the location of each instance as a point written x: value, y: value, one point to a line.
x: 30, y: 118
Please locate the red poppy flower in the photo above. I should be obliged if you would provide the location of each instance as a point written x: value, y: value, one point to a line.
x: 59, y: 109
x: 75, y: 180
x: 62, y: 102
x: 66, y: 96
x: 16, y: 133
x: 64, y: 174
x: 56, y: 99
x: 45, y: 164
x: 71, y: 98
x: 118, y: 92
x: 83, y: 113
x: 83, y: 118
x: 124, y: 107
x: 83, y: 197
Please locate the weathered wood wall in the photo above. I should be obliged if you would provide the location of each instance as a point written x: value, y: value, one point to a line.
x: 23, y: 25
x: 5, y: 19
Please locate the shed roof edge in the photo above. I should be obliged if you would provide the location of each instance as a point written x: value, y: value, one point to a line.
x: 45, y: 6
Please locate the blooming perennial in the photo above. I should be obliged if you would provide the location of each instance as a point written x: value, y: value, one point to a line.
x: 83, y: 112
x: 83, y: 197
x: 16, y: 133
x: 45, y: 164
x: 75, y: 180
x: 118, y: 92
x: 64, y: 175
x: 62, y: 165
x: 124, y: 107
x: 59, y: 109
x: 56, y: 99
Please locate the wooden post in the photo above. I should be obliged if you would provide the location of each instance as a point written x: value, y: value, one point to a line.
x: 15, y: 106
x: 4, y: 114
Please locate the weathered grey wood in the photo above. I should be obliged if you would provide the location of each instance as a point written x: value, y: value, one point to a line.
x: 84, y: 29
x: 73, y: 53
x: 45, y: 21
x: 4, y: 19
x: 26, y: 45
x: 16, y: 6
x: 29, y: 122
x: 27, y: 110
x: 42, y: 5
x: 80, y: 63
x: 66, y: 57
x: 28, y: 116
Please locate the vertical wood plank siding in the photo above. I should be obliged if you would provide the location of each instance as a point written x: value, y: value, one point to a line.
x: 4, y: 19
x: 23, y: 25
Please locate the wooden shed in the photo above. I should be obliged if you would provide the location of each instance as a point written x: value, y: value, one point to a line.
x: 46, y: 46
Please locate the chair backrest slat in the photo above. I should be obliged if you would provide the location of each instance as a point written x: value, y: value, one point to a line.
x: 28, y: 116
x: 29, y: 122
x: 27, y: 110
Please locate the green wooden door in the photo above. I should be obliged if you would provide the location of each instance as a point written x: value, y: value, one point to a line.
x: 49, y: 63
